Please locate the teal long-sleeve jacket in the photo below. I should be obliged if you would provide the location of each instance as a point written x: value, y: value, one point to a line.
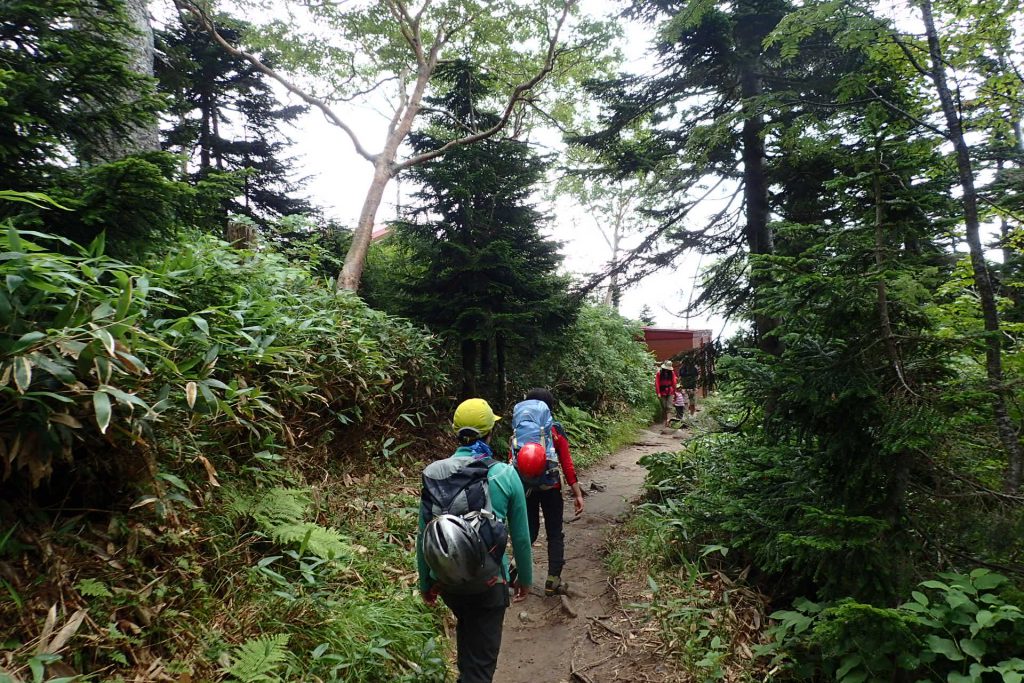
x: 508, y: 500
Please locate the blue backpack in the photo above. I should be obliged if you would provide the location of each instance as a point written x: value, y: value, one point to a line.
x: 532, y: 423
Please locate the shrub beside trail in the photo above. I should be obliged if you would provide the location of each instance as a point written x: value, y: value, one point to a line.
x: 175, y: 436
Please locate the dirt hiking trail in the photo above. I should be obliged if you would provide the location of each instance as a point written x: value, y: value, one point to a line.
x: 543, y: 642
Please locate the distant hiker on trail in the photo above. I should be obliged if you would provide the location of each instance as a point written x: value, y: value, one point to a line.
x: 688, y: 375
x: 665, y: 386
x: 680, y: 401
x: 539, y: 447
x: 466, y: 503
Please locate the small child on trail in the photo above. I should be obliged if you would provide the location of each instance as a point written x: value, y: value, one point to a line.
x: 681, y: 402
x: 688, y: 377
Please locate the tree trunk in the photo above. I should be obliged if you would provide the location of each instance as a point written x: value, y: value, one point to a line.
x: 882, y: 294
x: 501, y: 377
x: 982, y: 278
x: 383, y: 170
x: 218, y: 155
x: 486, y: 378
x: 614, y: 292
x: 142, y: 138
x: 352, y: 270
x: 139, y: 48
x: 240, y: 235
x: 760, y: 240
x: 204, y: 134
x: 899, y: 466
x: 468, y: 368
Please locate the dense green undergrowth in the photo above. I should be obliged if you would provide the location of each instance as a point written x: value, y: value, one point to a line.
x: 178, y: 437
x: 594, y: 437
x: 703, y: 516
x: 706, y: 623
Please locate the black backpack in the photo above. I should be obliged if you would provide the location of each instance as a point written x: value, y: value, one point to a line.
x: 458, y: 486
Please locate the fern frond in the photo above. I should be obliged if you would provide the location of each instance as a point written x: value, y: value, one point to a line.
x: 259, y: 659
x: 280, y: 514
x: 93, y: 589
x: 325, y: 543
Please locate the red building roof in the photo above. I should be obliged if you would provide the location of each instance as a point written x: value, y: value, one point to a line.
x: 666, y: 343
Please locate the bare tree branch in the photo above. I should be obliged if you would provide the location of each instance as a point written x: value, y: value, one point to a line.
x: 907, y: 115
x: 649, y: 241
x: 910, y: 57
x: 517, y: 96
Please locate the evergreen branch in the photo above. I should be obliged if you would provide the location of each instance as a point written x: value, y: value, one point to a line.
x: 1001, y: 210
x: 204, y: 19
x: 449, y: 117
x: 977, y: 486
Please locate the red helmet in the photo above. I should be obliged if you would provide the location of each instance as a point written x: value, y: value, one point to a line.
x: 532, y: 460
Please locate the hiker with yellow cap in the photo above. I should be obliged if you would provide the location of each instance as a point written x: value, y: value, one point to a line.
x: 470, y: 506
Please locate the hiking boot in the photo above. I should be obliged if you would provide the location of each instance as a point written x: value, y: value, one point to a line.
x: 555, y: 586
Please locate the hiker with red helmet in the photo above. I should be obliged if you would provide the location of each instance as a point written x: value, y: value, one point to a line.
x: 470, y: 506
x: 538, y: 462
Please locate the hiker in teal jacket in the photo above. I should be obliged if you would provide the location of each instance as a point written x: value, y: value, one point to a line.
x: 479, y: 617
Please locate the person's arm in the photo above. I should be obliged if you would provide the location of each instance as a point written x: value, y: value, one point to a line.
x: 518, y: 527
x: 564, y: 457
x: 565, y: 460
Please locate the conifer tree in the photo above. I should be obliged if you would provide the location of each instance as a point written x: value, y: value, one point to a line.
x: 63, y: 85
x: 228, y: 119
x: 488, y: 278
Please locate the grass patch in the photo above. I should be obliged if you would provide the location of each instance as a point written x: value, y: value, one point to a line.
x: 269, y: 582
x: 594, y: 438
x: 708, y: 623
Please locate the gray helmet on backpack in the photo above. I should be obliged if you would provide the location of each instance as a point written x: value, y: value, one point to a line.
x: 454, y: 551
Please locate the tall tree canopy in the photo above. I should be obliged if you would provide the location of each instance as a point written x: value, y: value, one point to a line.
x: 393, y: 48
x: 848, y: 191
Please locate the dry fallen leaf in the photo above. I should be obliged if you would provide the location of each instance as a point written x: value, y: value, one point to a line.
x: 66, y: 633
x: 211, y: 473
x: 48, y: 626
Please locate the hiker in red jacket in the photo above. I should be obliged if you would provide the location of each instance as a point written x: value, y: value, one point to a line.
x: 551, y: 503
x: 665, y: 386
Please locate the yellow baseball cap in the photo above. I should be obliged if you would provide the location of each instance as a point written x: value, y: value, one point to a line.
x: 474, y: 413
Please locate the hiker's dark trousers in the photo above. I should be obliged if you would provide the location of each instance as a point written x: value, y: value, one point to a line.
x: 478, y: 619
x: 550, y: 502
